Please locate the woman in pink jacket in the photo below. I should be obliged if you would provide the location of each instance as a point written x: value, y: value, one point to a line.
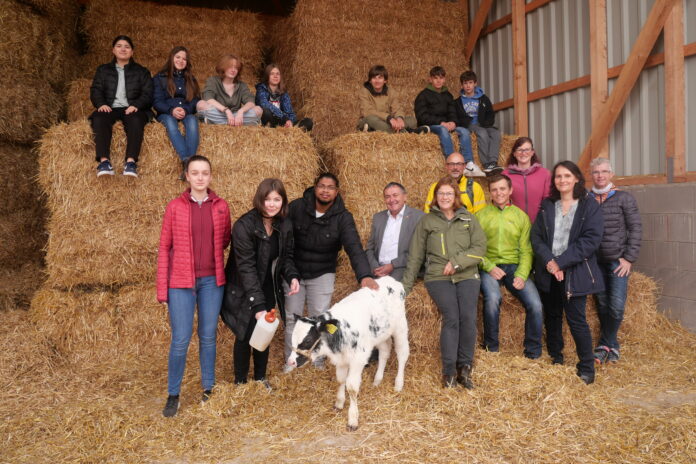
x: 190, y: 270
x: 531, y: 182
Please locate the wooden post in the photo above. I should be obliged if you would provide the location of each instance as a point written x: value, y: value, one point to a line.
x: 675, y: 120
x: 519, y: 62
x: 628, y: 77
x: 476, y: 26
x: 598, y: 69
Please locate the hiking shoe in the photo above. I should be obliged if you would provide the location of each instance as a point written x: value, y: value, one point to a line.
x: 601, y: 354
x: 587, y: 378
x: 464, y: 377
x: 130, y: 169
x: 105, y: 169
x: 266, y: 384
x: 613, y: 355
x: 171, y: 407
x: 206, y: 395
x: 449, y: 381
x: 473, y: 171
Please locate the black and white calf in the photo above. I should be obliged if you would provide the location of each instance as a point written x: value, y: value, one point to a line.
x: 348, y: 332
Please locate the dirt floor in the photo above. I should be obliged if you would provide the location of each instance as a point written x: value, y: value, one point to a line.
x: 58, y: 407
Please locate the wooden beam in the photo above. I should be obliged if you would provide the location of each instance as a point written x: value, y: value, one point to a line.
x: 476, y: 26
x: 507, y: 19
x: 519, y: 65
x: 639, y: 180
x: 598, y: 69
x: 675, y: 108
x: 628, y: 77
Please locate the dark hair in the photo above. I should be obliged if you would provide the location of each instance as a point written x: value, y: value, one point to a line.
x: 579, y: 188
x: 437, y: 71
x: 394, y: 184
x: 447, y: 180
x: 123, y: 37
x: 468, y: 76
x: 225, y: 62
x: 518, y: 143
x: 378, y: 70
x: 326, y: 175
x: 267, y: 75
x: 266, y: 187
x: 197, y: 158
x: 497, y: 178
x: 192, y: 89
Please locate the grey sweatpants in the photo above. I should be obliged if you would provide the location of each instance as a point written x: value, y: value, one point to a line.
x: 488, y: 140
x: 457, y: 305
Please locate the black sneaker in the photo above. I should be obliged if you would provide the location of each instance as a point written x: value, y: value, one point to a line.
x: 206, y: 395
x: 587, y: 378
x: 130, y: 169
x: 464, y: 377
x: 601, y: 354
x: 557, y: 359
x: 266, y: 384
x: 172, y: 406
x: 613, y: 355
x: 492, y: 168
x: 422, y: 130
x: 449, y: 381
x: 105, y: 169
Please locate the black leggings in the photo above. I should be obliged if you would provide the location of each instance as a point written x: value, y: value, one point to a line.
x: 133, y: 124
x: 243, y: 351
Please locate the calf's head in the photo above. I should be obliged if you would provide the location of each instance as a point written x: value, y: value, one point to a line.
x: 306, y: 338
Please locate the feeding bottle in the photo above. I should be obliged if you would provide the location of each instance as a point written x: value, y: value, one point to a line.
x: 264, y: 331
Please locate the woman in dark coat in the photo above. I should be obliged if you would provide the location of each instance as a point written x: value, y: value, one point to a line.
x: 565, y: 237
x: 262, y: 254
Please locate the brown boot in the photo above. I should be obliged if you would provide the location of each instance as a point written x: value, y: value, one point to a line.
x: 449, y: 381
x: 464, y: 377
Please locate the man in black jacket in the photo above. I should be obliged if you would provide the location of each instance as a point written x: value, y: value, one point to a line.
x: 322, y: 226
x: 617, y: 253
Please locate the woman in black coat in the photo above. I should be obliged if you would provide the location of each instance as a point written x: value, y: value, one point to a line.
x: 121, y: 91
x: 566, y: 235
x: 262, y: 254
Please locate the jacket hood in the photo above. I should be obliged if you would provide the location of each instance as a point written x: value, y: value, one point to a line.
x: 461, y: 212
x: 309, y: 198
x: 442, y: 89
x: 373, y: 92
x: 525, y: 172
x: 478, y: 93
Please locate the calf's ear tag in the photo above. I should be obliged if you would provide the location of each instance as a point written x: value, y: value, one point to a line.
x: 331, y: 328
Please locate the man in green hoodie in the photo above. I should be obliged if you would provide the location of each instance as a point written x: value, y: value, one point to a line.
x: 508, y: 262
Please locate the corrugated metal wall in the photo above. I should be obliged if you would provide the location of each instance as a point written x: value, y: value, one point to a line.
x: 558, y: 51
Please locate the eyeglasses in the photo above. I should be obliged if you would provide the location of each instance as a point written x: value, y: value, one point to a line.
x: 445, y: 194
x: 326, y: 187
x: 604, y: 171
x: 456, y: 164
x: 524, y: 150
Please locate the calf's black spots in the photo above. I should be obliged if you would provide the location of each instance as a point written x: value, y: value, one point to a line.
x: 390, y: 290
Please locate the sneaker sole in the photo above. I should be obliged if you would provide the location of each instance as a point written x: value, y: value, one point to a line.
x: 131, y: 174
x: 105, y: 173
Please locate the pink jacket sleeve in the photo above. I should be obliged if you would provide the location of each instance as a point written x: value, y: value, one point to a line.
x: 165, y: 247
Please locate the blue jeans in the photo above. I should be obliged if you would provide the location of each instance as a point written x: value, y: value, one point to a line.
x: 214, y: 116
x: 185, y: 145
x: 528, y: 296
x: 446, y: 141
x: 182, y: 305
x: 610, y: 304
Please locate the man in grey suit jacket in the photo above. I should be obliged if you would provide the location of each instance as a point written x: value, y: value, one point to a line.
x: 390, y: 236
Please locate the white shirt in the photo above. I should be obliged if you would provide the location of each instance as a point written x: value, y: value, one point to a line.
x: 390, y: 241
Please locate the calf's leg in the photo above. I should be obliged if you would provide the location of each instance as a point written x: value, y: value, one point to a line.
x: 384, y: 350
x: 353, y: 386
x: 402, y: 351
x: 341, y: 374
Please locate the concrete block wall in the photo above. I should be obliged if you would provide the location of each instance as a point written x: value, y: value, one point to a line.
x: 668, y: 250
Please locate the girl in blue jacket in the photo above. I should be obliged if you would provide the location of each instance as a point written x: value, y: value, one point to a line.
x: 565, y: 237
x: 272, y: 97
x: 176, y: 94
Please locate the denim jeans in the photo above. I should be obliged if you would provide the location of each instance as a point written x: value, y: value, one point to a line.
x: 446, y: 141
x: 185, y: 145
x: 610, y: 304
x: 182, y: 303
x: 214, y: 116
x: 490, y: 288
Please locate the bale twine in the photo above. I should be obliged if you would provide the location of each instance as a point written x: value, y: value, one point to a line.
x: 156, y: 29
x: 105, y: 231
x: 324, y: 80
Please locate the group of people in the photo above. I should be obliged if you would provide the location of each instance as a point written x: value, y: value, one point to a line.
x: 123, y: 90
x: 549, y: 241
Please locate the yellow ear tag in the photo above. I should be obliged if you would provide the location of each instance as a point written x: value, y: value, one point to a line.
x: 331, y: 328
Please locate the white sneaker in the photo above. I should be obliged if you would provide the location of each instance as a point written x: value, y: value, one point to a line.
x: 473, y: 171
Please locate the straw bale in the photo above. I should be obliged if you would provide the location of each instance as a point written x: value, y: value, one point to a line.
x: 18, y: 283
x: 79, y: 104
x: 156, y: 29
x: 27, y: 107
x: 105, y: 231
x: 413, y: 37
x: 55, y: 8
x: 38, y: 45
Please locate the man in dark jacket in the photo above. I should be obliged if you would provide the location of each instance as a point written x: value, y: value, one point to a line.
x: 322, y: 226
x: 434, y: 107
x: 617, y: 253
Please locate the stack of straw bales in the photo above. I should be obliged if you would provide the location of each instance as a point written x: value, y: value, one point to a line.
x: 326, y: 49
x: 156, y: 29
x: 37, y: 59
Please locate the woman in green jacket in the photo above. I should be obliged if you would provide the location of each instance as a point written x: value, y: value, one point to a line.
x: 451, y: 242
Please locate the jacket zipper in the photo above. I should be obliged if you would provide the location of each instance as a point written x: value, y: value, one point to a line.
x: 569, y: 292
x: 590, y: 271
x: 442, y: 242
x: 526, y: 201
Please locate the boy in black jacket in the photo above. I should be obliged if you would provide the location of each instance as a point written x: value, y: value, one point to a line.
x: 475, y: 112
x: 434, y: 108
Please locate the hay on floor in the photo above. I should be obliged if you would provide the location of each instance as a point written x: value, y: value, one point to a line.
x: 105, y: 231
x: 408, y: 38
x: 156, y: 29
